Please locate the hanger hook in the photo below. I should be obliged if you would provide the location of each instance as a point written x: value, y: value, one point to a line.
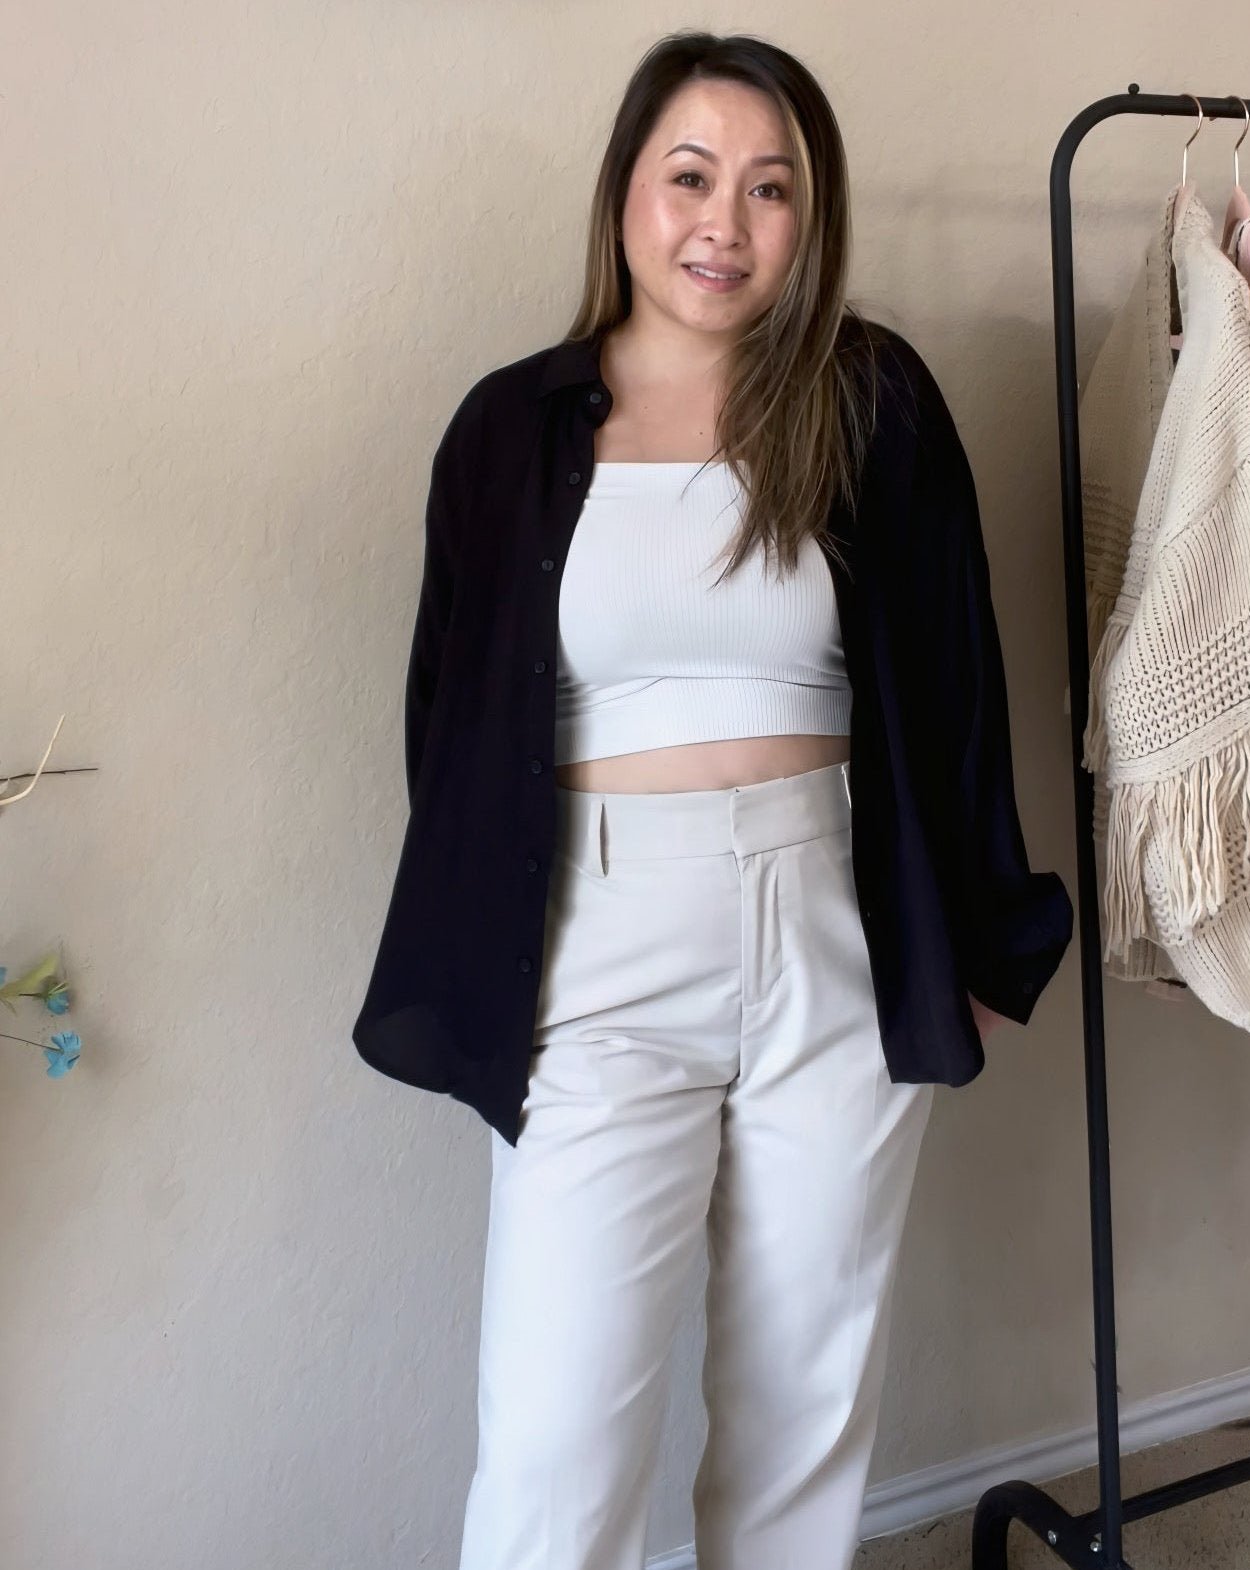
x: 1241, y: 138
x: 1185, y: 154
x: 17, y: 795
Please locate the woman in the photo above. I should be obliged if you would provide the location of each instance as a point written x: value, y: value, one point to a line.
x: 712, y: 1039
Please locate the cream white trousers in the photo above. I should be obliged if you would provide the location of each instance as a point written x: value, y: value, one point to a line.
x: 708, y: 1073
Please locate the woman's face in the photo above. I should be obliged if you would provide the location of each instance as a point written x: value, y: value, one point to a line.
x: 729, y: 208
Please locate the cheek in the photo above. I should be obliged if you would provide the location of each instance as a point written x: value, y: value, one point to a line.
x: 772, y: 265
x: 661, y: 235
x: 776, y: 241
x: 669, y: 219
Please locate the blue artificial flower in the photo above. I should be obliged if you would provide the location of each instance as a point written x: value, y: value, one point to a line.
x: 61, y: 1061
x: 57, y: 998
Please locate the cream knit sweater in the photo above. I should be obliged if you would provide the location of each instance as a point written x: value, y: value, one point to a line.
x: 1169, y: 598
x: 1121, y: 405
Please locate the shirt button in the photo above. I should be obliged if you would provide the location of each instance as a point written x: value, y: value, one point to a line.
x: 530, y: 864
x: 536, y: 765
x: 1026, y: 986
x: 596, y: 397
x: 574, y: 477
x: 539, y: 667
x: 547, y: 564
x: 525, y: 964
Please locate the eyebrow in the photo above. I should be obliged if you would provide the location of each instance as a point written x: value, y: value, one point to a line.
x: 693, y: 147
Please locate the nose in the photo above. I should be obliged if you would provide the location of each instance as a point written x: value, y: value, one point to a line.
x: 724, y: 218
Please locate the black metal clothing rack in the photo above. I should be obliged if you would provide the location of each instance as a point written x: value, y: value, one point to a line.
x: 1092, y: 1541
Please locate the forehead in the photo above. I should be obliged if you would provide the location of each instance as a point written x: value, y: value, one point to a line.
x: 718, y: 114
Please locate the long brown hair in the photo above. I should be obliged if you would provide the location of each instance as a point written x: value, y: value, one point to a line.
x: 798, y: 409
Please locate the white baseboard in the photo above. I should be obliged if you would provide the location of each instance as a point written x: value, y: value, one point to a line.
x: 902, y: 1503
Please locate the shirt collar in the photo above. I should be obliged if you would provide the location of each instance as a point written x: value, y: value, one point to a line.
x: 571, y: 363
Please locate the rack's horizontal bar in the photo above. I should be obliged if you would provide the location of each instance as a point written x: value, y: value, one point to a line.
x: 1138, y: 102
x: 1180, y: 1492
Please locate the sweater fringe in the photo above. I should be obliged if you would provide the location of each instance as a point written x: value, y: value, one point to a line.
x: 1099, y: 603
x: 1197, y: 815
x: 1106, y: 634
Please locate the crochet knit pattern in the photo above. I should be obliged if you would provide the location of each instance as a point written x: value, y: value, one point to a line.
x: 1120, y: 409
x: 1169, y: 702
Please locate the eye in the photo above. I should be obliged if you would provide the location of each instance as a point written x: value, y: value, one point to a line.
x: 766, y: 184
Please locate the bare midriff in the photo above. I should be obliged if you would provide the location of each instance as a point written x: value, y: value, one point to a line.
x: 705, y: 765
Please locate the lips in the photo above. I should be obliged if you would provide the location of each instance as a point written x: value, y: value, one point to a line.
x: 718, y: 272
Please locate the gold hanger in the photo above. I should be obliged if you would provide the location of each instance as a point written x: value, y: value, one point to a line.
x: 1185, y: 154
x: 1240, y: 139
x: 17, y: 796
x: 1237, y: 213
x: 1176, y: 325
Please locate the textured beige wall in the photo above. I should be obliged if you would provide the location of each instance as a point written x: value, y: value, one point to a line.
x: 253, y: 256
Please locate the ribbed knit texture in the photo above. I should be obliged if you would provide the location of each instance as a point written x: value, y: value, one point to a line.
x: 1169, y: 719
x: 653, y: 652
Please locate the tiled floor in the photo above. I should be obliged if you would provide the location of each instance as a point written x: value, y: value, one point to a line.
x: 1207, y: 1534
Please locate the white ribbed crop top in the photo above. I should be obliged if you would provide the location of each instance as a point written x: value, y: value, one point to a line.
x: 653, y: 652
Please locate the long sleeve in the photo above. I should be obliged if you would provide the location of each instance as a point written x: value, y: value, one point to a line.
x: 1011, y: 925
x: 446, y: 507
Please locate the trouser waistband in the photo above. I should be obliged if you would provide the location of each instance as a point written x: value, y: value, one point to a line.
x: 741, y: 818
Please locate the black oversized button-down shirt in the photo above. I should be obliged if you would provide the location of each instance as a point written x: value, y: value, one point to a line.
x: 948, y: 902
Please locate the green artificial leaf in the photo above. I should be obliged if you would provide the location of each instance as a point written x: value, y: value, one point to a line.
x: 32, y: 981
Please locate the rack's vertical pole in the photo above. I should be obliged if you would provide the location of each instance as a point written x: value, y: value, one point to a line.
x: 1087, y: 888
